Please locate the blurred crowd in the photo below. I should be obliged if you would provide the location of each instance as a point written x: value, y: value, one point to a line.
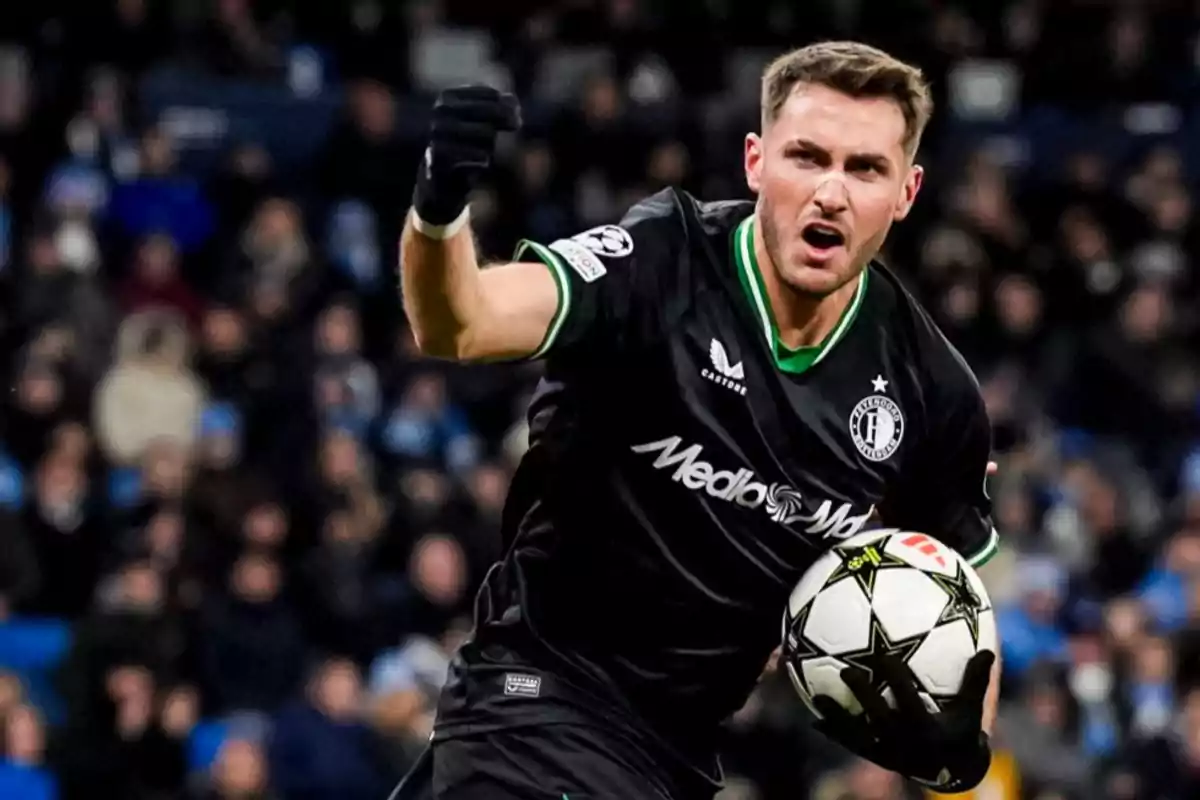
x: 241, y: 520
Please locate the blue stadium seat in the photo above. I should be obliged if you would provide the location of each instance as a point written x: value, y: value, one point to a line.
x: 20, y: 782
x: 32, y: 649
x: 28, y: 644
x: 205, y: 742
x: 208, y: 115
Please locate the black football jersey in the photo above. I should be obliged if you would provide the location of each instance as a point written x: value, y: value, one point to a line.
x: 685, y: 468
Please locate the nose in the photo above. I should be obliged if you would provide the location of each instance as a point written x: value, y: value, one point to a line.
x: 830, y: 195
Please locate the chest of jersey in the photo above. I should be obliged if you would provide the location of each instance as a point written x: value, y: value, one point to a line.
x: 788, y: 464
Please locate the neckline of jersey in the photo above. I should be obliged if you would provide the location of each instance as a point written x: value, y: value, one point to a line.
x: 793, y: 360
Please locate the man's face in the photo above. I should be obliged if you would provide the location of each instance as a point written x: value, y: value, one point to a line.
x: 831, y: 176
x: 224, y: 331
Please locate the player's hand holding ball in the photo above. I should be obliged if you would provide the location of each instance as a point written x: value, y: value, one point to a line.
x: 462, y: 141
x: 890, y: 639
x: 946, y: 750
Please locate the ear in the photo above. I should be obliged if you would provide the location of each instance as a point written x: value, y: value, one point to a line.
x: 908, y: 194
x: 754, y: 161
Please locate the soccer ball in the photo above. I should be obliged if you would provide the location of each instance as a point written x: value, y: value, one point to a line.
x: 886, y: 592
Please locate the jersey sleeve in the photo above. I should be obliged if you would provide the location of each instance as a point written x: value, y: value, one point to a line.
x: 609, y: 278
x: 947, y: 496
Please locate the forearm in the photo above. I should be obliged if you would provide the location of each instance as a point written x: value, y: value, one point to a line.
x: 991, y: 701
x: 440, y: 282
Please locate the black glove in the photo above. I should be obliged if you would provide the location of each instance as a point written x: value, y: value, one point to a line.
x: 946, y: 751
x: 462, y: 139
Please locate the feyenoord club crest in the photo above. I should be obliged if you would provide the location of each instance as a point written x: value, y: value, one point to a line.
x: 877, y: 426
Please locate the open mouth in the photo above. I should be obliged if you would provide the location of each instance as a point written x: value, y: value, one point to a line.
x: 822, y: 237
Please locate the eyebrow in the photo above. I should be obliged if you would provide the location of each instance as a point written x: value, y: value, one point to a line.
x: 867, y: 156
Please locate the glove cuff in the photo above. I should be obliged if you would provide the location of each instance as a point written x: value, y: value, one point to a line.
x: 438, y: 202
x: 965, y: 775
x: 439, y: 232
x: 435, y: 208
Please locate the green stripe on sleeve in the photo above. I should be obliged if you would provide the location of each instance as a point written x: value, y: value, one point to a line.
x: 558, y: 270
x: 985, y: 553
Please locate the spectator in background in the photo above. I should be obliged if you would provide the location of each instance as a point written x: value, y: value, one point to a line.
x: 1042, y: 732
x: 487, y: 488
x: 67, y: 536
x: 243, y: 182
x: 1150, y: 692
x: 345, y: 479
x: 163, y: 542
x: 354, y: 244
x: 424, y: 427
x: 42, y: 399
x: 251, y: 644
x: 274, y: 251
x: 223, y: 486
x: 160, y: 199
x: 425, y: 501
x: 225, y: 360
x: 1097, y: 533
x: 365, y: 159
x: 1031, y: 628
x: 1169, y: 765
x: 155, y: 282
x: 19, y: 566
x: 132, y: 626
x: 12, y: 693
x: 404, y: 685
x: 1125, y: 359
x: 130, y: 746
x: 592, y: 140
x: 23, y: 771
x: 347, y: 386
x: 150, y: 394
x: 351, y: 596
x: 321, y: 748
x: 240, y: 773
x: 438, y: 580
x: 43, y: 293
x: 1165, y: 588
x: 53, y: 296
x: 77, y: 191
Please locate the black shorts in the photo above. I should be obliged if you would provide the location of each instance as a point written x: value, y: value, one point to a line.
x: 548, y: 762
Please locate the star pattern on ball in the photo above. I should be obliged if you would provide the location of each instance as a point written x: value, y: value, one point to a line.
x: 964, y: 602
x: 880, y: 647
x: 798, y: 648
x: 863, y: 563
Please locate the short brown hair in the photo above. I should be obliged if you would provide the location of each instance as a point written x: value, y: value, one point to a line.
x: 852, y: 68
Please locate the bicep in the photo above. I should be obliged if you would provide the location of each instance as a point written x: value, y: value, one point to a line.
x: 605, y: 284
x: 553, y: 297
x: 521, y: 304
x: 595, y: 291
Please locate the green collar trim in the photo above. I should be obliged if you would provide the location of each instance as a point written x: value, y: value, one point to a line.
x: 794, y: 360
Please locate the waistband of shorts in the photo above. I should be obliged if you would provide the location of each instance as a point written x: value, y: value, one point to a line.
x: 482, y: 698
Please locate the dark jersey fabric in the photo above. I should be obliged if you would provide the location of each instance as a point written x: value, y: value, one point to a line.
x: 679, y: 480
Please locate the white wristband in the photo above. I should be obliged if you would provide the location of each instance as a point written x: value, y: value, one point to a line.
x: 441, y: 231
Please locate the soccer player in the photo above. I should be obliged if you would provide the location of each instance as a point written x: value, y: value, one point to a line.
x: 730, y: 389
